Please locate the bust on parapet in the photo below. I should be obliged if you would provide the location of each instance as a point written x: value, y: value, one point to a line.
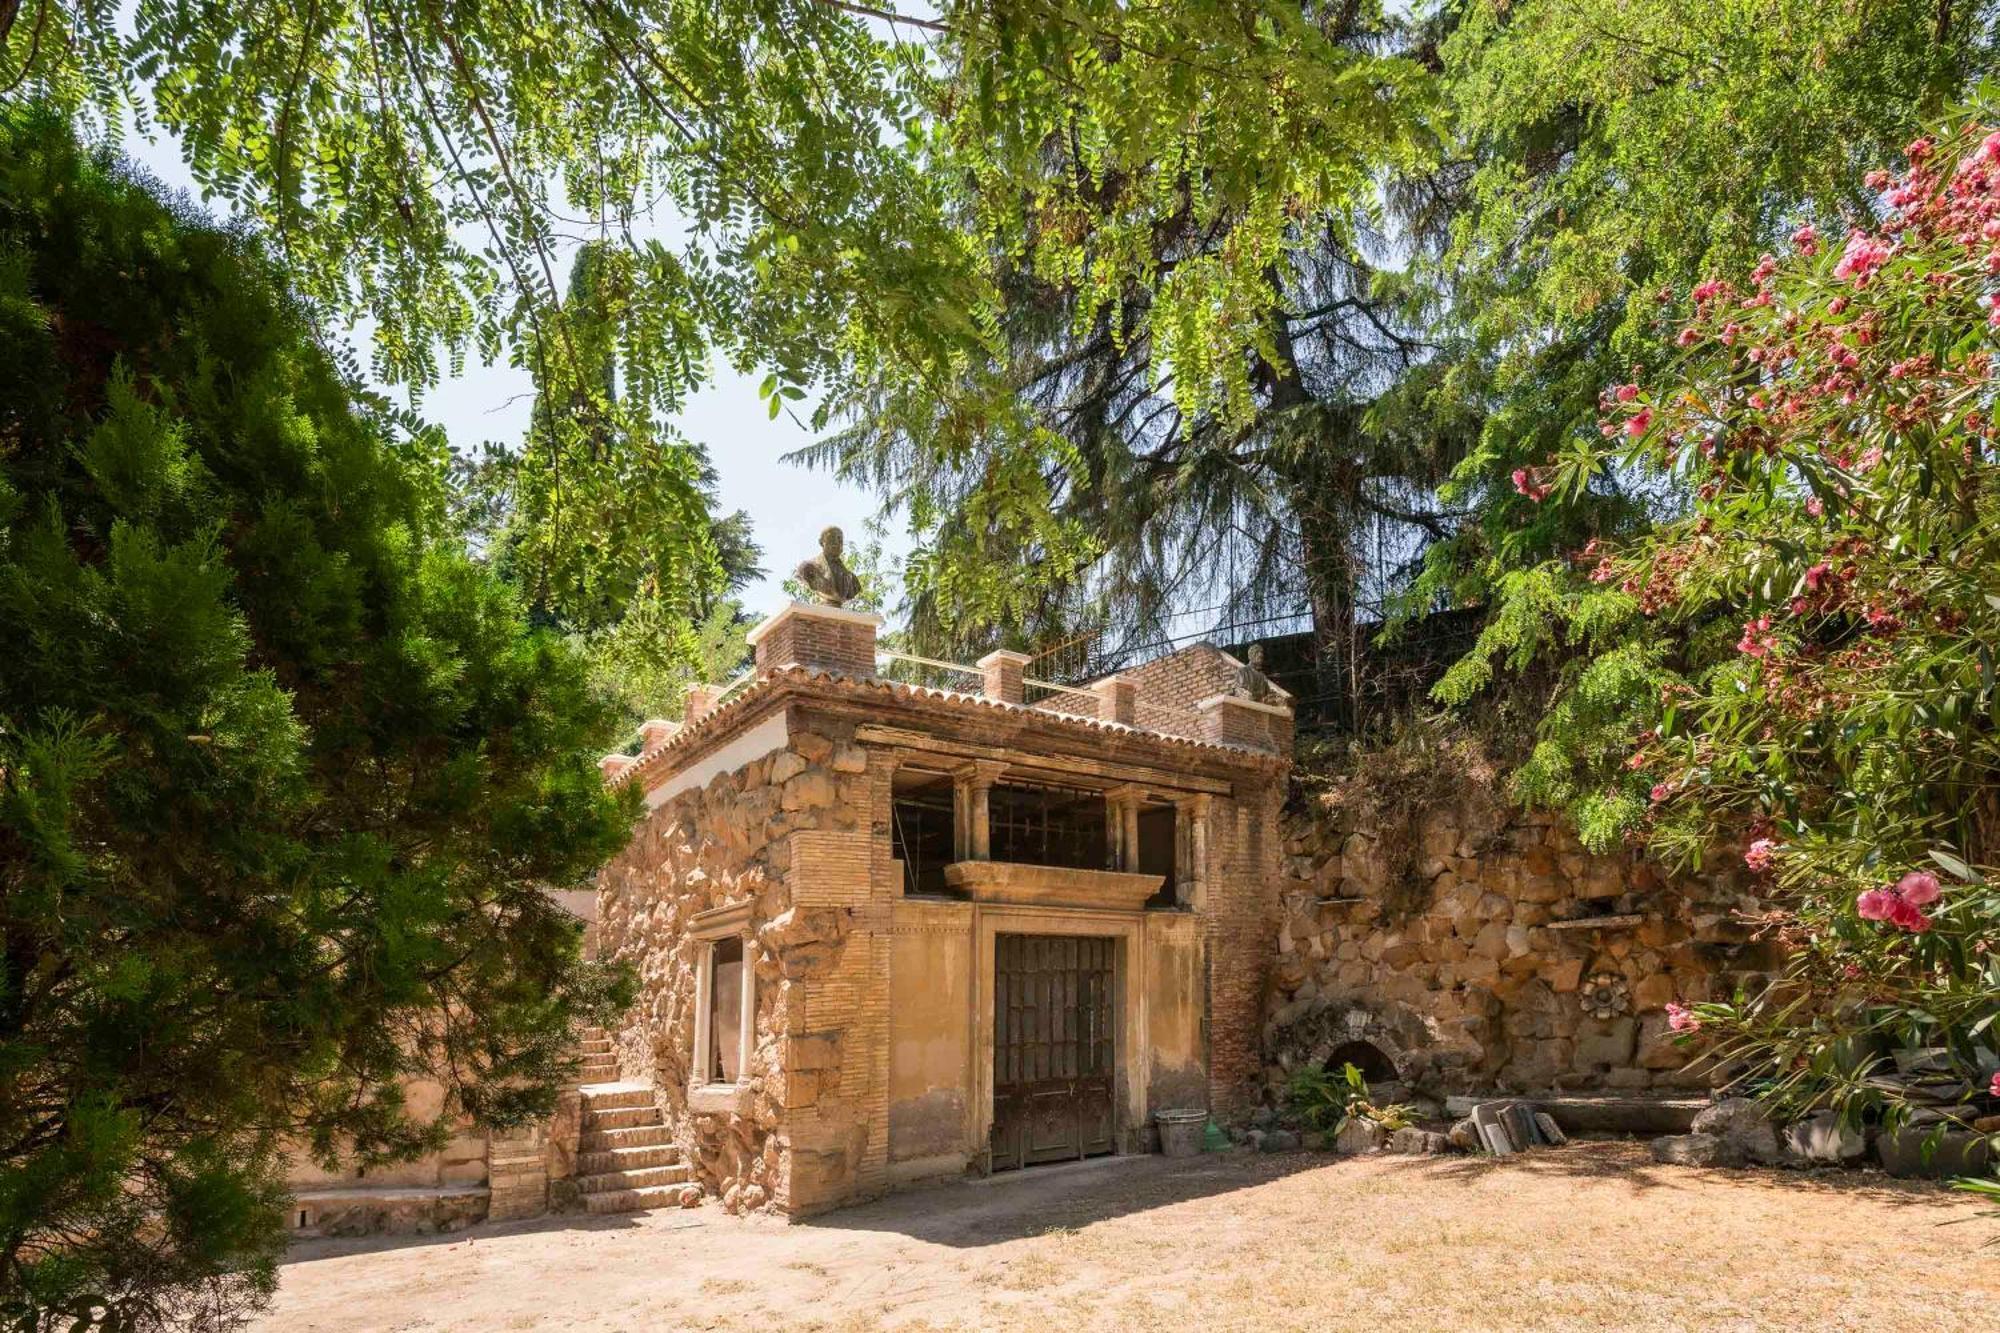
x: 827, y: 575
x: 1252, y: 683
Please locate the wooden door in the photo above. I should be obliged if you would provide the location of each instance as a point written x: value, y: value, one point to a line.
x: 1053, y: 1058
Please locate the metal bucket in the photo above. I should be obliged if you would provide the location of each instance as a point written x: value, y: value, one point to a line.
x: 1180, y: 1132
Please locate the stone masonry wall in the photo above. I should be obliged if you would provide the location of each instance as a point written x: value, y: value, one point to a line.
x: 712, y: 847
x: 1460, y: 970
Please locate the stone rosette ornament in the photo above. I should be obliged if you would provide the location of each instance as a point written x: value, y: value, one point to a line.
x: 1606, y: 995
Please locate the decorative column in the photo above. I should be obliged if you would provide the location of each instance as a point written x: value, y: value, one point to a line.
x: 1121, y: 819
x: 1191, y: 848
x: 973, y: 827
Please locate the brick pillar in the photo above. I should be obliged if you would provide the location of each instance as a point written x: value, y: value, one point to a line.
x: 825, y: 638
x: 517, y: 1175
x: 613, y: 766
x: 1230, y: 720
x: 1002, y: 671
x: 700, y: 698
x: 1117, y: 700
x: 655, y: 732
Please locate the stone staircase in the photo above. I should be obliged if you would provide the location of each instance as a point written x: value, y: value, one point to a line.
x: 625, y: 1160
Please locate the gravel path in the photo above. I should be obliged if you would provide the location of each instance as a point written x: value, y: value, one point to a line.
x: 1588, y: 1237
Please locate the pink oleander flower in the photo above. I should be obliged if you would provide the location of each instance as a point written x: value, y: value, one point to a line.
x: 1525, y: 483
x: 1661, y: 791
x: 1816, y: 506
x: 1901, y: 904
x: 1757, y: 640
x: 1993, y: 1088
x: 1758, y: 858
x: 1627, y: 392
x: 1863, y: 255
x: 1683, y: 1019
x: 1817, y: 574
x: 1635, y: 425
x: 1806, y: 240
x: 1919, y: 888
x: 1707, y: 291
x: 1907, y: 916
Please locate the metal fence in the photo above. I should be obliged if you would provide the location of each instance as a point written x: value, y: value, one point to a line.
x: 1351, y: 680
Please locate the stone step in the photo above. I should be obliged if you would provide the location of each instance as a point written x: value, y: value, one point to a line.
x: 624, y: 1117
x: 643, y: 1177
x: 626, y: 1159
x: 615, y: 1096
x: 632, y: 1201
x: 606, y: 1073
x: 605, y: 1140
x: 595, y: 1046
x: 590, y: 1034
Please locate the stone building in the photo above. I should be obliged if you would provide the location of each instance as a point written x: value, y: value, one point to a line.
x: 887, y: 932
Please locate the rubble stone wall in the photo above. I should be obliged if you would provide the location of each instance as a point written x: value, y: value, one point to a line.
x: 716, y: 846
x: 1466, y: 976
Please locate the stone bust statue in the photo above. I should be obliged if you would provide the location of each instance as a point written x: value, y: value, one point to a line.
x: 827, y: 574
x: 1252, y: 683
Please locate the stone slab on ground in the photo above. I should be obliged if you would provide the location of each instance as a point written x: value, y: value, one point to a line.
x: 386, y: 1210
x: 1585, y: 1113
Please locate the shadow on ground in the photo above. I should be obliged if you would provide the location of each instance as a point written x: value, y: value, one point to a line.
x: 1052, y: 1199
x: 333, y: 1247
x: 1044, y: 1199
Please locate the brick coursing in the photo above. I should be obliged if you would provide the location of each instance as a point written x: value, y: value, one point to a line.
x: 843, y: 646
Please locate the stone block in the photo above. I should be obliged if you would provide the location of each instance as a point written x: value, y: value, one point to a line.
x: 1689, y: 1150
x: 814, y: 1052
x: 1744, y: 1130
x: 1564, y: 974
x: 1821, y: 1137
x: 1611, y: 1043
x: 1419, y: 1142
x: 1653, y: 992
x: 1359, y: 1136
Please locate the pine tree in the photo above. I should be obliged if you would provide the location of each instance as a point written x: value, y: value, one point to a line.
x: 283, y: 771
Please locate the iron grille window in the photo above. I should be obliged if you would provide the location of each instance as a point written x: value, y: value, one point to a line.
x: 922, y: 833
x: 1047, y: 826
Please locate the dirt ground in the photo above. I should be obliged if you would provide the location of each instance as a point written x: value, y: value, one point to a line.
x: 1587, y: 1237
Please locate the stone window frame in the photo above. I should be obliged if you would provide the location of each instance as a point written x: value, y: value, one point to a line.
x: 709, y: 929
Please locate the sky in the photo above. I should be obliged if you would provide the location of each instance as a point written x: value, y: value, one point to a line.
x: 787, y: 504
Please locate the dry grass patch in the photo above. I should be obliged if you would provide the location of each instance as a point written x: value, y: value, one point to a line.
x: 1591, y: 1237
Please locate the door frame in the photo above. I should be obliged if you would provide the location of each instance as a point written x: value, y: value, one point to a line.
x: 1128, y: 989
